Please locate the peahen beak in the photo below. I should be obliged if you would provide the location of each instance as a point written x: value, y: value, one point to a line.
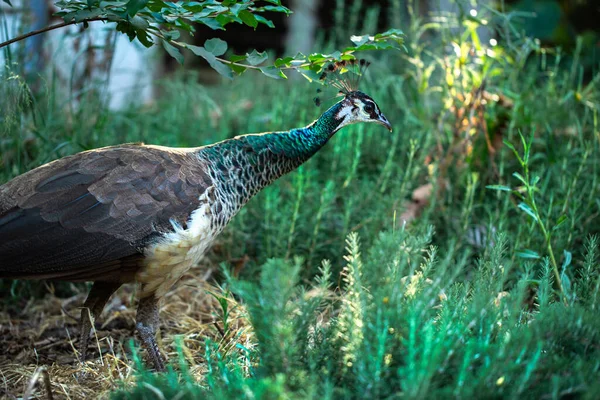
x: 382, y: 120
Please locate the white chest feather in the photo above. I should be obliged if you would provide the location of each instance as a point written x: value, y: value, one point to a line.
x: 178, y: 251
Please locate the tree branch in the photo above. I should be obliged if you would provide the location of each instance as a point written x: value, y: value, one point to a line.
x: 48, y: 28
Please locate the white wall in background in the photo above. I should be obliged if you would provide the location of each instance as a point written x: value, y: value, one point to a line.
x: 132, y: 69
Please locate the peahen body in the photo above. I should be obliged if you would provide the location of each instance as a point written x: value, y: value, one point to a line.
x: 146, y: 214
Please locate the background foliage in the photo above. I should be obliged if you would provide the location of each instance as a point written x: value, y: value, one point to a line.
x: 345, y: 299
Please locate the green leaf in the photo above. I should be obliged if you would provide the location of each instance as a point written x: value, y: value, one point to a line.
x: 171, y: 35
x: 311, y: 75
x: 392, y: 39
x: 81, y: 15
x: 525, y: 143
x: 336, y: 55
x: 158, y: 18
x: 317, y: 57
x: 238, y: 69
x: 520, y: 177
x: 360, y: 40
x: 265, y: 21
x: 499, y: 187
x: 173, y: 51
x: 256, y: 57
x: 510, y: 146
x: 528, y: 211
x: 248, y: 18
x: 212, y: 23
x: 394, y: 36
x: 375, y: 46
x: 273, y: 72
x: 156, y: 6
x: 279, y: 8
x: 526, y: 253
x: 238, y: 58
x: 127, y: 29
x: 298, y: 60
x: 216, y: 46
x: 234, y: 8
x: 144, y: 38
x: 561, y: 220
x: 212, y: 60
x: 215, y: 9
x: 567, y: 261
x: 391, y: 32
x: 566, y: 284
x: 139, y: 23
x: 564, y: 278
x: 224, y: 19
x: 133, y: 6
x: 283, y: 62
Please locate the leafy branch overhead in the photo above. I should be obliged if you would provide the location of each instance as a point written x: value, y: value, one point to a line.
x: 155, y: 21
x: 309, y: 65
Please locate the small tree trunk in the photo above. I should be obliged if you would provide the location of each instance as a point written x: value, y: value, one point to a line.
x: 34, y: 46
x: 302, y: 26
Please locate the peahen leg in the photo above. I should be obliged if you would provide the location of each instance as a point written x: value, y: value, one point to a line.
x: 92, y: 308
x: 147, y: 324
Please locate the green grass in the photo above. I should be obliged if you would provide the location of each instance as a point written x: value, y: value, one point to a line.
x: 461, y: 301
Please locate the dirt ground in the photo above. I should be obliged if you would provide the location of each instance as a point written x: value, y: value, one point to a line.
x: 43, y: 338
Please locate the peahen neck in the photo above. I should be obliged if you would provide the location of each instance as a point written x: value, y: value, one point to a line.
x: 299, y: 144
x: 242, y: 166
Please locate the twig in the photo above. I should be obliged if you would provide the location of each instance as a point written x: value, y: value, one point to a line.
x: 49, y: 28
x: 219, y: 329
x: 291, y: 67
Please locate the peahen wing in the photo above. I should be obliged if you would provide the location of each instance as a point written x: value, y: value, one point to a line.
x: 89, y: 216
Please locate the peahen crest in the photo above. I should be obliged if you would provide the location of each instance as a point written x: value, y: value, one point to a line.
x: 343, y: 75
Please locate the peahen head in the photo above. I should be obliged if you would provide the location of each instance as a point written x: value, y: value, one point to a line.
x: 356, y: 106
x: 359, y: 107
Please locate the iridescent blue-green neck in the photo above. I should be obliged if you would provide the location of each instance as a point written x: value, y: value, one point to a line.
x: 302, y: 143
x: 328, y: 123
x: 241, y: 166
x: 297, y: 144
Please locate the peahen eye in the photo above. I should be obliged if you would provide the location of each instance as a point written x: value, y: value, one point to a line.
x: 369, y: 108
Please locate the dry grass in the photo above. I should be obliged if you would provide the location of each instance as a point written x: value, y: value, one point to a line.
x: 45, y: 334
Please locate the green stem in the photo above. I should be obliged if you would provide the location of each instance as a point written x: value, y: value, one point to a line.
x: 295, y: 67
x: 547, y: 236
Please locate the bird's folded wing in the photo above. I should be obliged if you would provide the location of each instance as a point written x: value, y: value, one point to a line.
x: 90, y: 215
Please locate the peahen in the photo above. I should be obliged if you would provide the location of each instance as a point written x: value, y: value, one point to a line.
x: 147, y: 214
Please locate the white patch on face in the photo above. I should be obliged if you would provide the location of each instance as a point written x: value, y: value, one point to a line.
x: 353, y: 112
x: 346, y: 115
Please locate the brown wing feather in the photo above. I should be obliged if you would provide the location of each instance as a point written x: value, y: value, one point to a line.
x: 77, y: 218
